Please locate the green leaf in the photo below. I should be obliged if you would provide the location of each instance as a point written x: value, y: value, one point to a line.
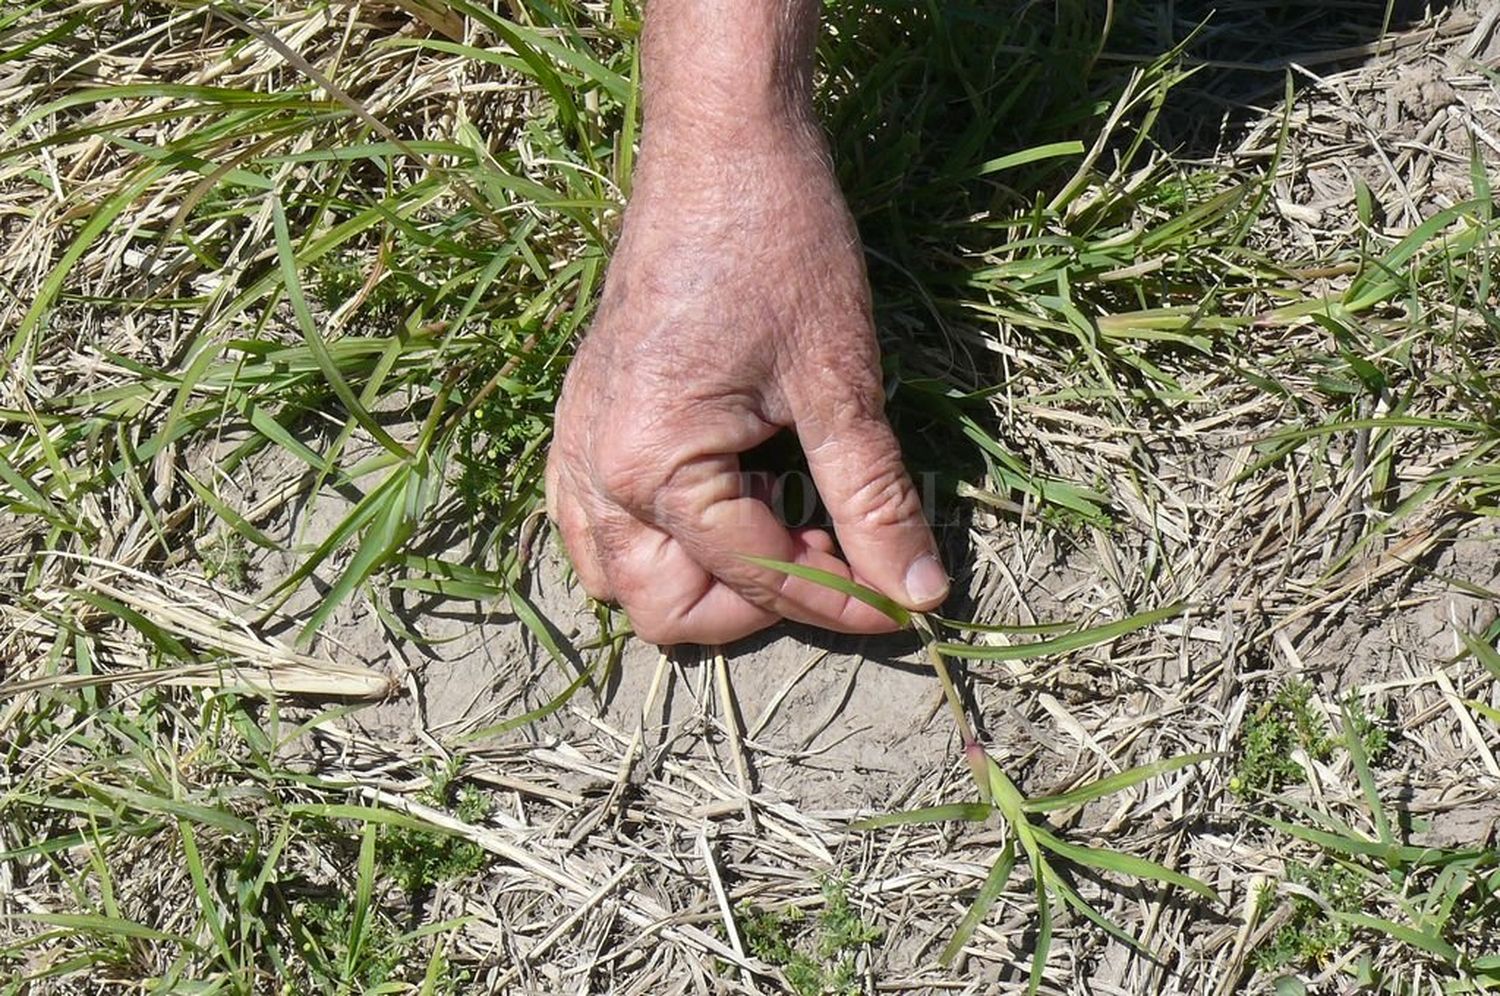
x: 235, y: 520
x: 205, y: 895
x: 1043, y: 939
x: 1031, y: 155
x: 190, y: 811
x: 1121, y: 863
x: 366, y: 814
x: 973, y: 812
x: 387, y: 532
x: 116, y: 926
x: 29, y: 493
x: 1483, y: 652
x: 1361, y: 761
x: 1430, y: 943
x: 331, y: 375
x: 994, y: 884
x: 1488, y: 712
x: 1289, y: 985
x: 1112, y: 784
x: 165, y: 642
x: 540, y: 712
x: 1384, y: 280
x: 363, y: 889
x: 897, y: 613
x: 100, y: 220
x: 1041, y: 629
x: 1064, y: 644
x: 1069, y: 895
x: 1350, y: 845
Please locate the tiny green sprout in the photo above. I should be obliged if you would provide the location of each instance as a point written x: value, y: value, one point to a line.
x: 999, y: 797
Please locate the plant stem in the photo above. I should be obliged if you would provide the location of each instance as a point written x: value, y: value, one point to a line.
x: 951, y: 694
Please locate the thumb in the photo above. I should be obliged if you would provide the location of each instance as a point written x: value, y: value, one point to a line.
x: 877, y: 514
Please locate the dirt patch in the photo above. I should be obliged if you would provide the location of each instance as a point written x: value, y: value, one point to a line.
x: 1400, y: 125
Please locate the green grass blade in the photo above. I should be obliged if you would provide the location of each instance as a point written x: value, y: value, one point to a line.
x: 1070, y: 896
x: 365, y: 510
x: 88, y: 923
x: 1423, y: 941
x: 388, y: 530
x: 1112, y: 784
x: 1064, y: 644
x: 540, y: 712
x: 1376, y: 285
x: 364, y: 888
x: 100, y: 221
x: 192, y: 812
x: 1488, y: 712
x: 1361, y: 762
x: 973, y: 812
x: 1040, y: 629
x: 1121, y: 863
x: 1035, y: 154
x: 897, y: 613
x: 194, y: 862
x: 1335, y: 842
x: 39, y: 502
x: 364, y: 814
x: 331, y: 375
x: 1482, y: 651
x: 234, y: 519
x: 994, y: 884
x: 1043, y: 939
x: 163, y: 641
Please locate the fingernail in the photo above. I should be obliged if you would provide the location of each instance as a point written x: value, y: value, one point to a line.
x: 926, y: 581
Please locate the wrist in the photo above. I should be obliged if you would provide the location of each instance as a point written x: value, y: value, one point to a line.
x: 725, y: 73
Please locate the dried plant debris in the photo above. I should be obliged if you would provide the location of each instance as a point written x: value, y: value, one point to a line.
x: 1192, y: 335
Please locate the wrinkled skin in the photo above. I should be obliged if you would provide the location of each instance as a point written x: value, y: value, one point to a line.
x: 735, y: 305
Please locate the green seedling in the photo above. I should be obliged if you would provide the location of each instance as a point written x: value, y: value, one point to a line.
x: 1278, y: 728
x: 1287, y: 724
x: 1447, y: 900
x: 816, y: 955
x: 1310, y: 935
x: 1029, y: 837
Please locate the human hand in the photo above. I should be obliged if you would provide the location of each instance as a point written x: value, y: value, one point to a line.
x: 736, y: 305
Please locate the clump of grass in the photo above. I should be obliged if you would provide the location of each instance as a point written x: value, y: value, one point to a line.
x: 817, y: 956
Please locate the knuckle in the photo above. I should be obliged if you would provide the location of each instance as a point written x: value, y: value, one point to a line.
x: 886, y: 497
x: 595, y: 588
x: 629, y: 476
x: 652, y: 628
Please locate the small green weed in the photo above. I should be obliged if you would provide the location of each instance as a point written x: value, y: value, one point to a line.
x: 227, y: 558
x: 1286, y: 723
x: 818, y: 958
x: 1310, y: 935
x: 420, y: 859
x: 1439, y: 904
x: 1281, y: 725
x: 385, y: 961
